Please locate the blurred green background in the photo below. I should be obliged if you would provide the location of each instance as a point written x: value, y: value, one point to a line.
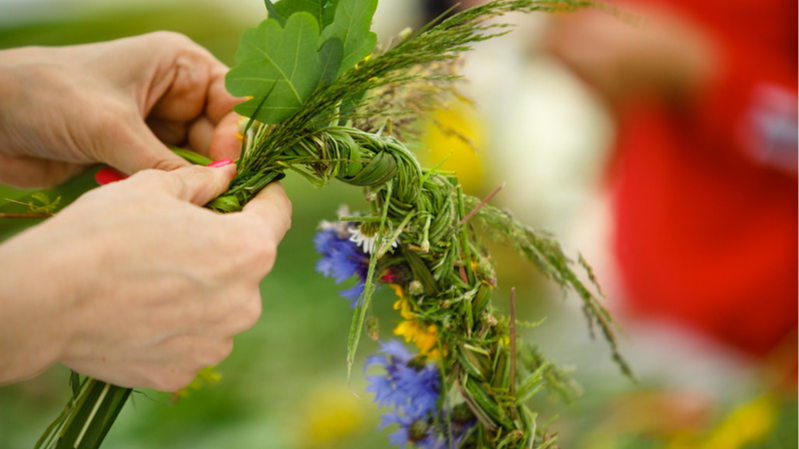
x: 285, y: 384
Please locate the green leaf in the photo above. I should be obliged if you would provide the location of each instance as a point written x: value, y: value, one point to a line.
x: 331, y: 54
x: 191, y: 156
x: 273, y: 14
x: 74, y: 383
x: 283, y: 63
x: 352, y: 25
x: 322, y: 10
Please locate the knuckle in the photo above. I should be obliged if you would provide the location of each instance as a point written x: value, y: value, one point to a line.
x: 170, y: 38
x: 151, y: 179
x: 223, y: 351
x: 246, y: 316
x: 289, y: 208
x: 165, y: 176
x: 195, y: 171
x: 287, y: 224
x: 252, y: 312
x: 213, y: 353
x: 287, y: 216
x: 166, y: 164
x: 173, y: 380
x: 261, y: 252
x: 265, y: 249
x: 254, y: 243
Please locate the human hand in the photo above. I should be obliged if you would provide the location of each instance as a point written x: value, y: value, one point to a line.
x: 660, y: 54
x: 116, y: 102
x: 135, y: 283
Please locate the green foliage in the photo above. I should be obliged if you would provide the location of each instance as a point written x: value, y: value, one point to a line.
x: 39, y: 203
x: 284, y: 64
x: 547, y: 255
x: 46, y: 205
x: 352, y: 26
x: 301, y: 46
x: 322, y: 10
x: 88, y: 416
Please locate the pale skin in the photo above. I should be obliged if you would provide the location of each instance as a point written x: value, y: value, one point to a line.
x: 135, y: 283
x: 652, y: 53
x: 631, y: 52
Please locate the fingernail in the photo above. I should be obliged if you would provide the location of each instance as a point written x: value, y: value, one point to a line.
x: 220, y: 163
x: 108, y: 175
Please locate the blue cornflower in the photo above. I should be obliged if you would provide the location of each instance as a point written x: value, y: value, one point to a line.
x: 410, y: 385
x: 413, y: 387
x: 417, y: 431
x: 461, y: 420
x: 341, y: 259
x: 422, y: 433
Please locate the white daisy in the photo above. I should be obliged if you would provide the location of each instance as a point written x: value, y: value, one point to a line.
x: 365, y: 236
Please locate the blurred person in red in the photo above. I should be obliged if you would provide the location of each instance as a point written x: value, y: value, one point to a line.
x: 704, y: 173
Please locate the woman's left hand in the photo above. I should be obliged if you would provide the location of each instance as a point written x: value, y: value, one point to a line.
x: 118, y: 102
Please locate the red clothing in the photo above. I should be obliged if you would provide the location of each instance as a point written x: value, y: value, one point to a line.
x: 706, y: 197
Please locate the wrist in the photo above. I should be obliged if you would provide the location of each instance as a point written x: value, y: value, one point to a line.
x: 34, y: 328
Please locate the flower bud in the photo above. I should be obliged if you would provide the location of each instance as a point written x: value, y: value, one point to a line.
x: 418, y: 362
x: 415, y: 288
x: 486, y: 271
x: 462, y: 414
x: 372, y: 327
x: 405, y: 33
x: 417, y: 431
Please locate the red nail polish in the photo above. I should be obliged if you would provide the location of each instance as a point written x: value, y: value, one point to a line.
x: 108, y: 175
x: 220, y: 163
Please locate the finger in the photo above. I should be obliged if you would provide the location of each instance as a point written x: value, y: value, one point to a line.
x: 217, y: 141
x: 224, y: 142
x: 271, y: 208
x: 195, y: 184
x: 136, y: 148
x: 220, y: 103
x: 239, y: 319
x: 189, y: 81
x: 179, y: 86
x: 200, y: 133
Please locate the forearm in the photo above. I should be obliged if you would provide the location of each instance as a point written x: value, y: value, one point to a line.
x: 32, y: 308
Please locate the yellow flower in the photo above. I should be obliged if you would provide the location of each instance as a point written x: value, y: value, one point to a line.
x: 748, y: 424
x: 331, y: 415
x: 205, y: 377
x: 457, y: 131
x: 399, y: 291
x: 424, y: 336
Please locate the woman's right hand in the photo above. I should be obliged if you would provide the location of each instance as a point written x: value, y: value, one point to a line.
x: 135, y: 283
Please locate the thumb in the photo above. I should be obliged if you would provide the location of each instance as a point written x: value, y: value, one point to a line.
x: 139, y: 149
x: 194, y: 184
